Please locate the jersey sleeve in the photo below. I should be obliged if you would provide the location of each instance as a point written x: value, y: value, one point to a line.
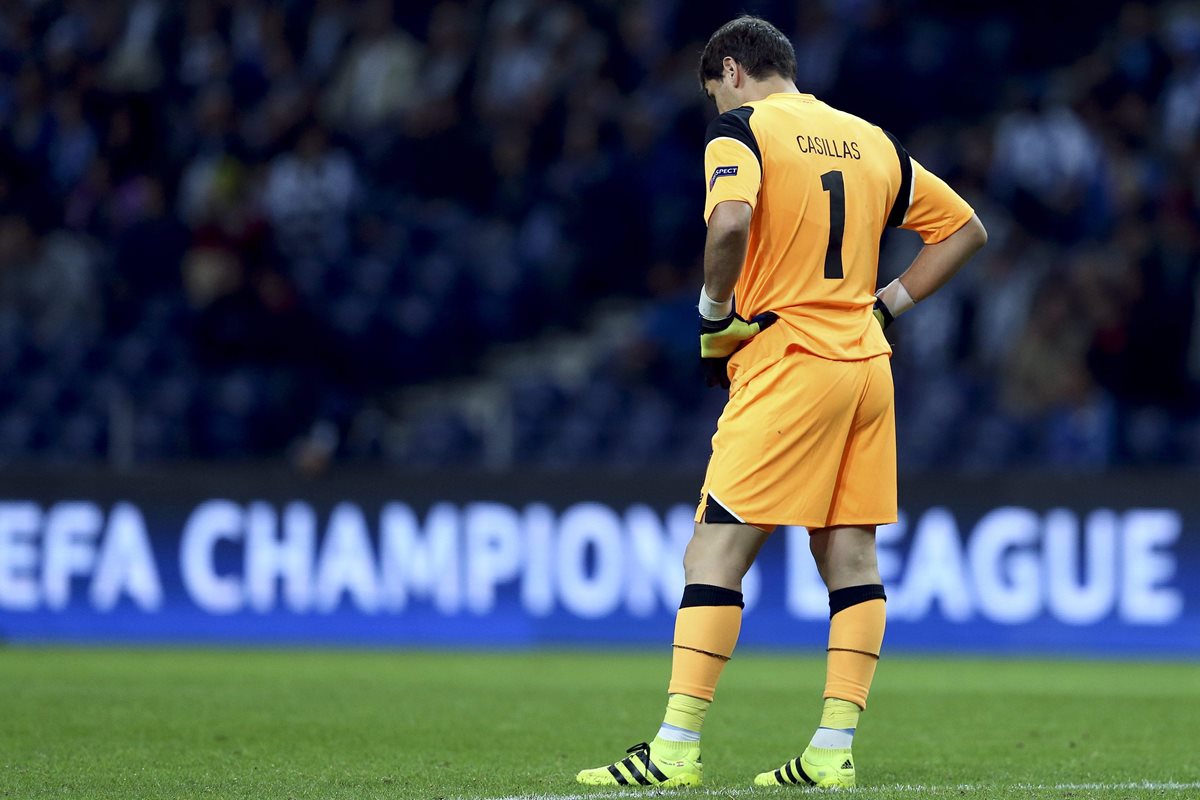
x: 936, y: 210
x: 924, y: 202
x: 732, y: 161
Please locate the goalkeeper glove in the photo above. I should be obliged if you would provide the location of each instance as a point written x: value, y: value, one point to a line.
x: 882, y: 315
x: 720, y: 339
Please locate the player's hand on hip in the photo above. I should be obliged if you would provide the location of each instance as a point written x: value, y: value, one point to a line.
x: 720, y: 339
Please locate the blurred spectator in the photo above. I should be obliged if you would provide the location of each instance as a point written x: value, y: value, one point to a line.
x: 1049, y: 166
x: 73, y: 144
x: 378, y: 78
x: 308, y: 198
x: 1046, y: 370
x: 47, y: 283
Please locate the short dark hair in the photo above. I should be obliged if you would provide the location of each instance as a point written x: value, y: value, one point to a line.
x: 756, y: 44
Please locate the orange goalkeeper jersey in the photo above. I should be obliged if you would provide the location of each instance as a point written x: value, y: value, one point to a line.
x: 823, y: 185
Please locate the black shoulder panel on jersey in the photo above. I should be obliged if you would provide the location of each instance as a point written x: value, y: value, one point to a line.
x: 900, y: 205
x: 734, y: 124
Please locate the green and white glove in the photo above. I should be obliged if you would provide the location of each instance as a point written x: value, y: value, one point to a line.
x: 721, y: 338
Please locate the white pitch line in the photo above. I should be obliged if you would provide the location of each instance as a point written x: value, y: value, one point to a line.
x: 1168, y: 786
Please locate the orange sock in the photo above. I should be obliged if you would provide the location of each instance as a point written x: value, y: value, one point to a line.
x: 856, y: 622
x: 706, y: 631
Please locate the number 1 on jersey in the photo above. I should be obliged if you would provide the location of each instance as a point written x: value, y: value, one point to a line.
x: 832, y: 182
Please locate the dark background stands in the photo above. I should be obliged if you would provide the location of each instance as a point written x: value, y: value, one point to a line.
x: 237, y: 229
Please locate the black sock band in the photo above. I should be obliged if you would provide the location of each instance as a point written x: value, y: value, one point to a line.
x: 841, y: 599
x: 701, y: 594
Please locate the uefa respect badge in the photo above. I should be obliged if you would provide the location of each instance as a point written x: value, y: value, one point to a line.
x: 721, y: 172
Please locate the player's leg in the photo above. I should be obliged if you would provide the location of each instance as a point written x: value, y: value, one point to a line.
x: 844, y: 549
x: 845, y: 557
x: 706, y: 632
x: 708, y: 622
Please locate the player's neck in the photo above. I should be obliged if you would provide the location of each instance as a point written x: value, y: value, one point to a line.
x: 760, y: 89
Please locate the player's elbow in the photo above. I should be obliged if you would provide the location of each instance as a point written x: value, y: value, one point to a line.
x: 975, y: 234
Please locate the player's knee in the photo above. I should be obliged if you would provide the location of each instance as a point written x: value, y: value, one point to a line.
x: 845, y: 555
x: 704, y: 564
x: 851, y: 567
x: 718, y: 560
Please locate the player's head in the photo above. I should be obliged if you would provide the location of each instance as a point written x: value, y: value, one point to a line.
x: 741, y: 53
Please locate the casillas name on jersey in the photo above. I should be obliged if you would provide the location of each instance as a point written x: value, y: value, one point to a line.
x: 834, y: 148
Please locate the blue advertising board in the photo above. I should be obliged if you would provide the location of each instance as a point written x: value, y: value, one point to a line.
x: 1018, y: 564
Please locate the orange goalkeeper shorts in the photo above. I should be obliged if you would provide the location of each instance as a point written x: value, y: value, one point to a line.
x: 806, y: 441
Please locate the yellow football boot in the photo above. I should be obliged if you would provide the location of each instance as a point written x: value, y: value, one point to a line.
x: 819, y: 767
x: 661, y: 765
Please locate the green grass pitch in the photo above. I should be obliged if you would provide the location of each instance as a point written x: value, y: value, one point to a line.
x: 152, y: 723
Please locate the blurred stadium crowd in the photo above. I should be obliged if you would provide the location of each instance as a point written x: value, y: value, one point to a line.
x: 236, y: 227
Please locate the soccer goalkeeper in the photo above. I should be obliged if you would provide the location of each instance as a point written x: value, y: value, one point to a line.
x: 798, y: 195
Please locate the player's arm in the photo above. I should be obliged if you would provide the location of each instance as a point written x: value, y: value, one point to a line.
x: 937, y: 263
x: 733, y: 173
x: 732, y: 178
x: 722, y: 332
x: 725, y: 251
x: 949, y: 227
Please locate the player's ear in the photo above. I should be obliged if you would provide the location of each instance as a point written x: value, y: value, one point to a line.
x: 731, y: 71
